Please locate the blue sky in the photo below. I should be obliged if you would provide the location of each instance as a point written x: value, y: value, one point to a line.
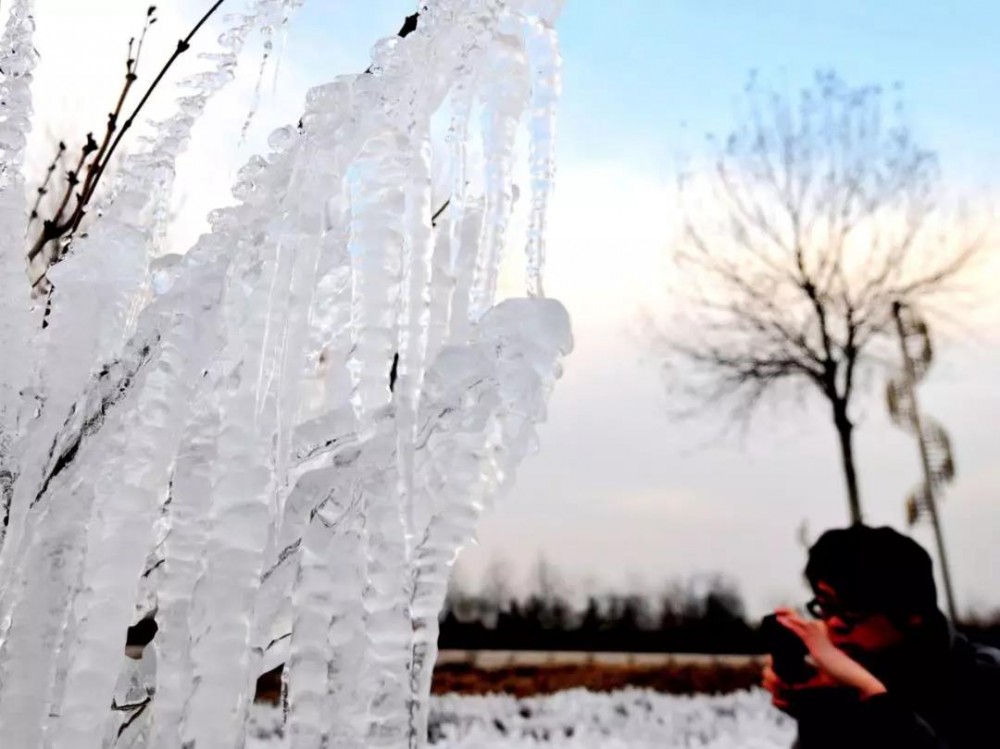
x: 636, y: 70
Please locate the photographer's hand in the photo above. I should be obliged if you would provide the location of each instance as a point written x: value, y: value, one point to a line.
x: 778, y: 689
x: 788, y: 697
x: 828, y: 658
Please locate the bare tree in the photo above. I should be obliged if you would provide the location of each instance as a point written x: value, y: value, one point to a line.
x: 814, y: 217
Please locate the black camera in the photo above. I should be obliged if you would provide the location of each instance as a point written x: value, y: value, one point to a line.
x: 788, y: 652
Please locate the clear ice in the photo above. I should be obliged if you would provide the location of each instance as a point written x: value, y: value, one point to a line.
x: 276, y: 443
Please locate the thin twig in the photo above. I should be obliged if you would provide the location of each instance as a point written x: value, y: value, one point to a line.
x: 96, y: 168
x: 439, y: 211
x: 73, y: 179
x: 183, y: 46
x: 44, y: 189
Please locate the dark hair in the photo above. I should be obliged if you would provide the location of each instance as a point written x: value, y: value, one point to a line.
x: 875, y: 570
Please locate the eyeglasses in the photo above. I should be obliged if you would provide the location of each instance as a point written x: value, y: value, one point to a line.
x: 825, y: 610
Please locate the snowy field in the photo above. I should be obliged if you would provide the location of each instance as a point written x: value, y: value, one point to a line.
x: 629, y: 719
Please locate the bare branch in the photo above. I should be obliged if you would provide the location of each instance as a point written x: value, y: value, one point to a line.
x: 60, y: 228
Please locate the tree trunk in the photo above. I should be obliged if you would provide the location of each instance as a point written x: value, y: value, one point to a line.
x: 845, y: 434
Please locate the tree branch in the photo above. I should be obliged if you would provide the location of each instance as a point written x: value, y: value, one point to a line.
x: 58, y: 228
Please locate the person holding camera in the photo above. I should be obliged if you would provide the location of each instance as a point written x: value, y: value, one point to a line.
x: 879, y: 665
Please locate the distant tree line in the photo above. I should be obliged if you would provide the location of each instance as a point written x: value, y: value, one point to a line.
x: 703, y: 614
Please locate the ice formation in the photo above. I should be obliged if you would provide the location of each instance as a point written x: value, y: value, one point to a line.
x: 276, y: 443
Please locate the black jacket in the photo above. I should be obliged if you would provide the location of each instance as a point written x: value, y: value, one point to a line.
x: 943, y: 692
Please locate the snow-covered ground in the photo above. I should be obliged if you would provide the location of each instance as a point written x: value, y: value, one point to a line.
x: 629, y: 719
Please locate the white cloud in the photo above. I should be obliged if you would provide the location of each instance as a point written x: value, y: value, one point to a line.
x: 608, y: 233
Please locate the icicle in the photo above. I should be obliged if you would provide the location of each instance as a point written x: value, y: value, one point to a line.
x: 270, y: 13
x: 414, y: 316
x: 243, y: 487
x: 17, y: 61
x: 543, y: 51
x: 290, y: 6
x: 450, y: 251
x: 255, y: 102
x: 377, y: 203
x: 450, y: 466
x: 505, y: 96
x: 327, y: 649
x: 468, y: 461
x: 190, y: 490
x: 386, y: 606
x: 127, y: 501
x: 441, y: 288
x: 173, y: 134
x: 32, y: 642
x: 469, y: 238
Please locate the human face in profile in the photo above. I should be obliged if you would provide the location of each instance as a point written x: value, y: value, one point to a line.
x: 855, y: 631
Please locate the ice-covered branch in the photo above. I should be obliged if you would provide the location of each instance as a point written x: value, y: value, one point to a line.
x: 269, y: 450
